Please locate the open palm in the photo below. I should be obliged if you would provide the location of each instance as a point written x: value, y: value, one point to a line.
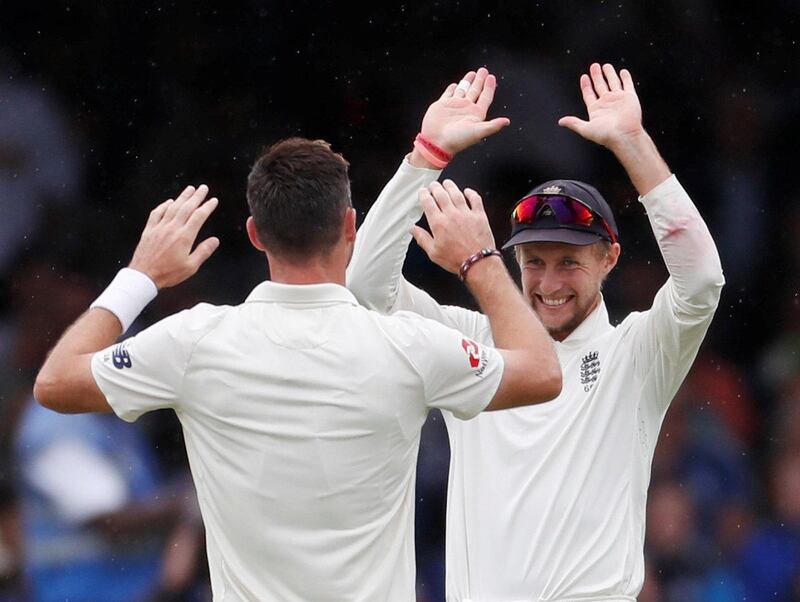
x: 612, y: 105
x: 457, y: 120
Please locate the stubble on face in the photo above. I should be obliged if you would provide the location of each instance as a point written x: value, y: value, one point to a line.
x: 579, y: 273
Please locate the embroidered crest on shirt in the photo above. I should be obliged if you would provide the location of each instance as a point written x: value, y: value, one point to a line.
x: 590, y: 370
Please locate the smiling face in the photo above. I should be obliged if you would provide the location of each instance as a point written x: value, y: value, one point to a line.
x: 563, y: 281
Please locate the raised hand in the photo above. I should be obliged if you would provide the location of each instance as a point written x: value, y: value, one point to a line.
x: 458, y: 222
x: 612, y: 104
x: 457, y: 120
x: 164, y: 252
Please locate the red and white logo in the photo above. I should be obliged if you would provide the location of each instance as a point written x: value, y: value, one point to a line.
x: 473, y: 352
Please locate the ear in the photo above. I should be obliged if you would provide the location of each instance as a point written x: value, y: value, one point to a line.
x: 350, y: 225
x: 611, y: 258
x: 252, y: 234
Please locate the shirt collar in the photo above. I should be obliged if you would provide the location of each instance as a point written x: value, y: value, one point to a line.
x: 595, y: 323
x: 274, y: 292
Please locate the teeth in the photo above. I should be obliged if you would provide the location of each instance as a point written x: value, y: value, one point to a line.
x: 554, y: 302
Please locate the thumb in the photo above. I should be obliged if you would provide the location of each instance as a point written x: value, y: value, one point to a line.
x: 204, y: 250
x: 573, y: 123
x: 423, y: 238
x: 488, y: 128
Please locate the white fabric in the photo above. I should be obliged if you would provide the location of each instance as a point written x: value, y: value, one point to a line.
x: 547, y: 502
x: 128, y: 294
x: 302, y: 414
x: 78, y: 480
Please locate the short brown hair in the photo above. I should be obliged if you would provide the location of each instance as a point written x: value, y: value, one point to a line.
x: 297, y: 192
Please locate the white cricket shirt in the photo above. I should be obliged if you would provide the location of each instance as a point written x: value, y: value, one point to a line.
x: 547, y: 502
x: 302, y: 413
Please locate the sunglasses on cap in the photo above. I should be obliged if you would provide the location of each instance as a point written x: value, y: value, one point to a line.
x: 567, y: 211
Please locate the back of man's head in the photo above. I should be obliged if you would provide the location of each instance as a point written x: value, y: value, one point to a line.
x: 298, y: 192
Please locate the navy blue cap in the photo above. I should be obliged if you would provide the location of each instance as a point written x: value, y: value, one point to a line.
x: 547, y: 229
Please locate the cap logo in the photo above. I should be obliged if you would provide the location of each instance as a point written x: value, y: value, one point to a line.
x: 552, y: 190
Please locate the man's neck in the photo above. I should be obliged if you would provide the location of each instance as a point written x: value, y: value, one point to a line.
x: 307, y: 273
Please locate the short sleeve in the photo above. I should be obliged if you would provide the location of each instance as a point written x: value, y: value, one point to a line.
x: 458, y: 374
x: 144, y: 372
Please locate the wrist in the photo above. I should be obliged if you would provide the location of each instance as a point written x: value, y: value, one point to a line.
x: 629, y: 143
x: 416, y: 159
x: 471, y: 263
x: 128, y: 294
x: 431, y: 152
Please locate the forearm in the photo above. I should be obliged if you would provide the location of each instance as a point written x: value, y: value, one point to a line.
x: 517, y: 332
x: 382, y: 241
x: 638, y: 155
x: 65, y: 382
x: 686, y: 244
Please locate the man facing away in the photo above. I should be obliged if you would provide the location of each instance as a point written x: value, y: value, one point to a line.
x: 548, y: 502
x: 301, y: 409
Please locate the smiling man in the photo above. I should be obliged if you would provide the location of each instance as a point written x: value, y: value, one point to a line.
x: 548, y: 502
x: 576, y: 248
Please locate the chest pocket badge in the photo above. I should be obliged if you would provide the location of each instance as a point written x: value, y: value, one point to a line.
x: 590, y: 370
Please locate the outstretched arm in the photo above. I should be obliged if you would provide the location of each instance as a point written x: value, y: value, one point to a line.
x: 164, y: 256
x: 667, y: 337
x: 455, y: 121
x: 615, y: 121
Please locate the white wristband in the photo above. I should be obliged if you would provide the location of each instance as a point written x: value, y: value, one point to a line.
x: 127, y: 295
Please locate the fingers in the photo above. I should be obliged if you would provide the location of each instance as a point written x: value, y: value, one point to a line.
x: 441, y: 197
x: 599, y: 82
x: 627, y: 80
x: 456, y: 196
x: 157, y: 213
x: 423, y: 238
x: 200, y: 215
x: 187, y: 207
x: 477, y: 84
x: 429, y: 206
x: 448, y: 92
x: 587, y: 91
x: 203, y: 251
x: 475, y: 200
x: 461, y: 90
x: 611, y: 77
x: 486, y: 96
x: 173, y: 208
x: 489, y: 128
x: 573, y: 123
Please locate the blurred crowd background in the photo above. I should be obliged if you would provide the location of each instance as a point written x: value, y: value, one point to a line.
x: 106, y: 109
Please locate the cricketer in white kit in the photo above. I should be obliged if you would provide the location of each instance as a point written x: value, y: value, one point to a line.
x: 302, y: 410
x: 547, y: 503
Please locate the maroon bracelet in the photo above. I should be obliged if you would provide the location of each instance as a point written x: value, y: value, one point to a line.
x: 473, y: 259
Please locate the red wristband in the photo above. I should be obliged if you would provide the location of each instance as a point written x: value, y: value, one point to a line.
x: 473, y: 259
x: 433, y: 153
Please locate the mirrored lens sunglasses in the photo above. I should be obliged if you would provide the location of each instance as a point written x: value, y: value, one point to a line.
x: 568, y: 211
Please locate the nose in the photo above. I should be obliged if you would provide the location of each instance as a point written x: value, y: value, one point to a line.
x: 550, y: 283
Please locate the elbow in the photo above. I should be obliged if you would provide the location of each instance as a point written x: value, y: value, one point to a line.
x: 552, y: 383
x: 41, y: 391
x: 546, y: 383
x: 46, y: 392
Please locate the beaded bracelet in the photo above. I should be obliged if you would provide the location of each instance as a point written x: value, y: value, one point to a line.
x: 473, y: 259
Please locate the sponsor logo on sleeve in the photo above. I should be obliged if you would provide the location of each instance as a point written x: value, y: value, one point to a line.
x: 120, y: 357
x: 477, y: 356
